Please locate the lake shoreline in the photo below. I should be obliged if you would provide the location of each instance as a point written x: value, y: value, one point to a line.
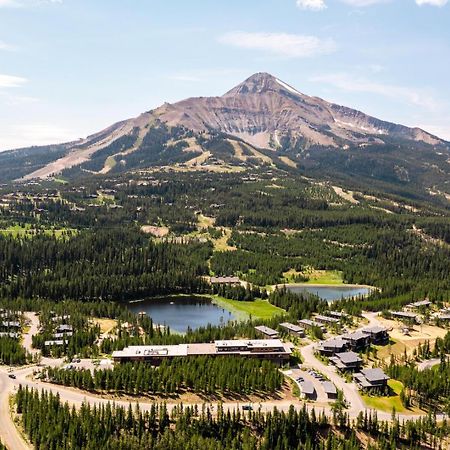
x: 327, y: 285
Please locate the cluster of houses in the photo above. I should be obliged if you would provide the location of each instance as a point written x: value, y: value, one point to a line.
x: 10, y: 325
x: 342, y: 353
x: 415, y: 312
x: 61, y: 333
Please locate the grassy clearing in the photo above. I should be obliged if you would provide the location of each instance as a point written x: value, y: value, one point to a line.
x: 106, y: 325
x: 17, y: 231
x: 387, y: 404
x: 323, y: 276
x: 258, y: 309
x: 221, y: 244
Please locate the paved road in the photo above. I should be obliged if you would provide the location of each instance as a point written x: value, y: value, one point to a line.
x: 428, y: 364
x: 8, y: 431
x: 14, y: 441
x: 34, y: 327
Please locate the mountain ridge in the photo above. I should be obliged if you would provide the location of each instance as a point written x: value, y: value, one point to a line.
x: 262, y: 121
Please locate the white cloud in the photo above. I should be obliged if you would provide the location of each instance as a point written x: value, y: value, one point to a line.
x: 10, y: 81
x: 313, y: 5
x: 432, y: 2
x: 7, y: 47
x: 281, y: 44
x: 350, y: 83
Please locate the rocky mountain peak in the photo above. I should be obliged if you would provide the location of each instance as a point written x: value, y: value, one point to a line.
x: 261, y: 83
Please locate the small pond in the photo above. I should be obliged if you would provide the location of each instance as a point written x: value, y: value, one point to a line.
x: 182, y: 312
x: 330, y: 293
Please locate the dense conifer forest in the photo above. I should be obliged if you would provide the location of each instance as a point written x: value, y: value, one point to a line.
x: 49, y: 424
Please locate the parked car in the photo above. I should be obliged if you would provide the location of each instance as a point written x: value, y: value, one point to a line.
x: 247, y: 408
x: 11, y: 375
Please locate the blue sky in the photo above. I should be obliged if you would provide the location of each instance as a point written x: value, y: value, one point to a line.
x: 69, y: 68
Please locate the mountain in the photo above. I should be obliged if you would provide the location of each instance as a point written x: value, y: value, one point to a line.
x: 262, y: 121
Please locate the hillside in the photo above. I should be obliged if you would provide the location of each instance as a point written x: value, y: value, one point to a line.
x: 261, y: 122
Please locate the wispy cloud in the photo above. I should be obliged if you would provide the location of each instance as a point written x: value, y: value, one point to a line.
x: 349, y: 83
x: 313, y: 5
x: 280, y: 44
x: 7, y: 47
x: 11, y: 81
x: 432, y: 2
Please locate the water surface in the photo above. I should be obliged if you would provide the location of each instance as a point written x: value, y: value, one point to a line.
x: 330, y: 293
x: 183, y: 312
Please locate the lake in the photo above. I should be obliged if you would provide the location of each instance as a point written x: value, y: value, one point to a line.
x: 330, y: 293
x: 182, y: 312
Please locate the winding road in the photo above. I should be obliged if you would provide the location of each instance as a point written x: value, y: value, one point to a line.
x: 14, y: 441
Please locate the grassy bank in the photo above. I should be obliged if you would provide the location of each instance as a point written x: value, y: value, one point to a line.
x: 257, y: 309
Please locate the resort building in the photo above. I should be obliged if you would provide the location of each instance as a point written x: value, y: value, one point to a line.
x: 266, y: 331
x: 347, y: 361
x: 293, y: 329
x: 357, y: 340
x: 307, y: 324
x: 225, y: 280
x: 337, y: 314
x: 371, y: 379
x: 418, y: 305
x: 10, y: 335
x: 326, y: 320
x: 405, y: 316
x: 64, y: 329
x: 332, y: 346
x: 58, y: 343
x: 307, y: 390
x: 330, y: 389
x: 10, y: 324
x: 272, y: 349
x: 378, y: 335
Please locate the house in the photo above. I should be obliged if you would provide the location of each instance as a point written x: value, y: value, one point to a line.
x: 330, y: 389
x: 62, y: 335
x: 357, y: 340
x: 377, y: 334
x: 405, y: 316
x: 418, y: 305
x: 56, y: 343
x: 371, y: 379
x: 332, y: 346
x: 307, y: 324
x: 293, y: 329
x: 307, y: 390
x: 9, y: 324
x: 337, y: 314
x: 347, y: 361
x: 64, y: 329
x: 10, y: 335
x: 266, y: 331
x: 326, y: 320
x: 225, y: 280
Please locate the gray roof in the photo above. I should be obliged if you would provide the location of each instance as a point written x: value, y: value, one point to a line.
x: 355, y: 336
x: 326, y: 319
x: 329, y: 387
x: 374, y: 374
x: 374, y: 330
x: 307, y: 387
x: 266, y: 330
x: 333, y: 343
x: 408, y: 315
x: 291, y: 327
x: 348, y: 357
x: 419, y: 304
